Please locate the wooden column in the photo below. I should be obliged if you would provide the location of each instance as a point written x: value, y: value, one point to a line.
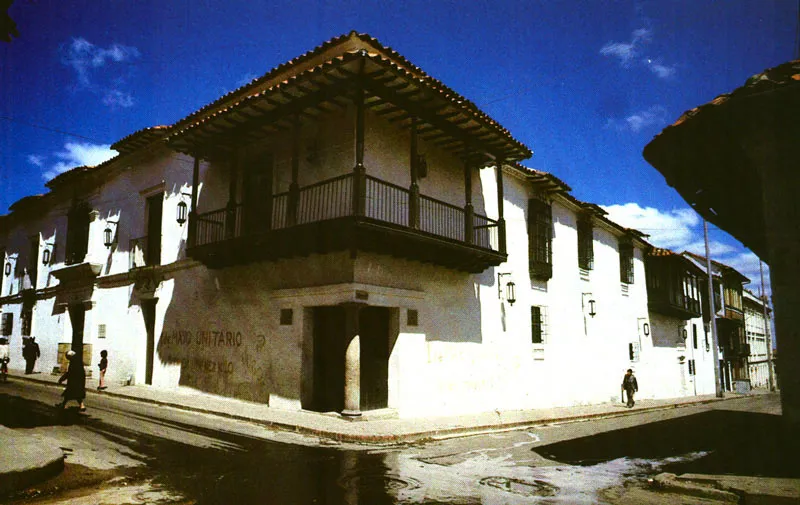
x: 192, y: 234
x: 469, y: 211
x: 501, y: 222
x: 294, y: 187
x: 352, y: 362
x: 359, y: 172
x: 230, y: 213
x: 413, y: 190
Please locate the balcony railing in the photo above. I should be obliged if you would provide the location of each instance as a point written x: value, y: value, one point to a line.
x: 384, y: 202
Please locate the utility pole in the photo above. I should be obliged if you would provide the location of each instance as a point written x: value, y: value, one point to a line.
x: 712, y: 316
x: 766, y: 329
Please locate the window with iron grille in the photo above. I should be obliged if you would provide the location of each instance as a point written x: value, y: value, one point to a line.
x: 25, y: 321
x: 538, y: 325
x: 585, y: 243
x: 6, y: 324
x: 540, y: 239
x: 626, y: 262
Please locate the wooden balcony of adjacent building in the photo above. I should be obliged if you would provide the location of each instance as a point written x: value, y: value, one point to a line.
x: 673, y: 303
x: 351, y: 212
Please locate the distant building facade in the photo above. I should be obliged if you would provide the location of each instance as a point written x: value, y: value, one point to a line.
x: 758, y: 338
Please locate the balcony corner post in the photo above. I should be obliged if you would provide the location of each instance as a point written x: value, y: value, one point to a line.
x: 469, y: 210
x: 359, y: 172
x: 501, y: 221
x: 230, y: 214
x: 294, y: 187
x: 192, y: 232
x: 413, y: 190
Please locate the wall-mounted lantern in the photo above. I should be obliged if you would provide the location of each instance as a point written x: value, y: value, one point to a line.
x: 8, y: 268
x: 47, y: 254
x: 510, y: 291
x: 646, y: 329
x: 182, y: 212
x: 592, y: 311
x: 109, y: 235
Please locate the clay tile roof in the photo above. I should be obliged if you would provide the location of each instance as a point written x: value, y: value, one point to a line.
x: 660, y: 252
x: 140, y: 138
x: 336, y: 52
x: 786, y: 74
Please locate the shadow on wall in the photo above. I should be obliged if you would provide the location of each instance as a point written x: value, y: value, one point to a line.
x: 218, y: 333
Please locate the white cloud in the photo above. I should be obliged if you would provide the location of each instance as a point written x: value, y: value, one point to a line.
x: 78, y: 154
x: 628, y: 52
x: 88, y: 62
x: 670, y: 229
x: 652, y: 116
x: 117, y: 98
x: 661, y: 70
x: 716, y: 248
x: 34, y: 159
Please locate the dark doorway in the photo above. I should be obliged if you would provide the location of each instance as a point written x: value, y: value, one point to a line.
x: 329, y: 347
x: 374, y: 330
x: 155, y: 209
x: 77, y: 316
x: 149, y: 313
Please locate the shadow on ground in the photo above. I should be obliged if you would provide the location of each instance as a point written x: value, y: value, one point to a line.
x: 239, y: 469
x: 738, y: 443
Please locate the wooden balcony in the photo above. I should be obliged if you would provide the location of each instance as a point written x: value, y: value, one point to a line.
x: 349, y: 212
x: 674, y: 304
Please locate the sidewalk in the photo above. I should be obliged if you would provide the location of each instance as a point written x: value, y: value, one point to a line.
x: 379, y: 427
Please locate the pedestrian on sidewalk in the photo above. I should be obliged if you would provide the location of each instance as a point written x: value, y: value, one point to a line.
x: 5, y: 357
x: 103, y: 366
x: 31, y: 352
x: 76, y: 381
x: 630, y: 386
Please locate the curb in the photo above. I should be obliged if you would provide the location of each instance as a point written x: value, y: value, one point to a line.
x: 15, y: 473
x: 396, y: 439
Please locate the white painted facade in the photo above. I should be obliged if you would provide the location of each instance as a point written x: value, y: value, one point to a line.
x: 758, y: 339
x: 221, y: 330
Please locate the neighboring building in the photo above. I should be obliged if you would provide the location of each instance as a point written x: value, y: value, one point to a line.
x: 758, y: 338
x: 342, y: 234
x: 681, y: 342
x: 729, y: 309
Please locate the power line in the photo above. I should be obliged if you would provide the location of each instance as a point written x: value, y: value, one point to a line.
x: 54, y: 130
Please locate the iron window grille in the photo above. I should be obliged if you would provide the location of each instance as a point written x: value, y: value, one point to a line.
x: 626, y: 262
x: 6, y: 324
x: 585, y: 243
x: 540, y: 239
x: 538, y: 325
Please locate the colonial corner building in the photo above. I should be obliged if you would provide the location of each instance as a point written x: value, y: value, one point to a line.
x: 346, y: 234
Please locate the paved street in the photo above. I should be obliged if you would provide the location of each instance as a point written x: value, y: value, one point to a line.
x: 129, y: 452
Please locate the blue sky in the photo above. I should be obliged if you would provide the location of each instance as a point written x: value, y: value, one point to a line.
x: 585, y: 84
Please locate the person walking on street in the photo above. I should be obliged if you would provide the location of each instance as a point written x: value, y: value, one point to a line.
x: 5, y: 357
x: 630, y: 386
x: 76, y: 381
x: 31, y: 353
x: 103, y: 366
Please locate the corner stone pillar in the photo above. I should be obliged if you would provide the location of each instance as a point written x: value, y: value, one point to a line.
x: 352, y: 362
